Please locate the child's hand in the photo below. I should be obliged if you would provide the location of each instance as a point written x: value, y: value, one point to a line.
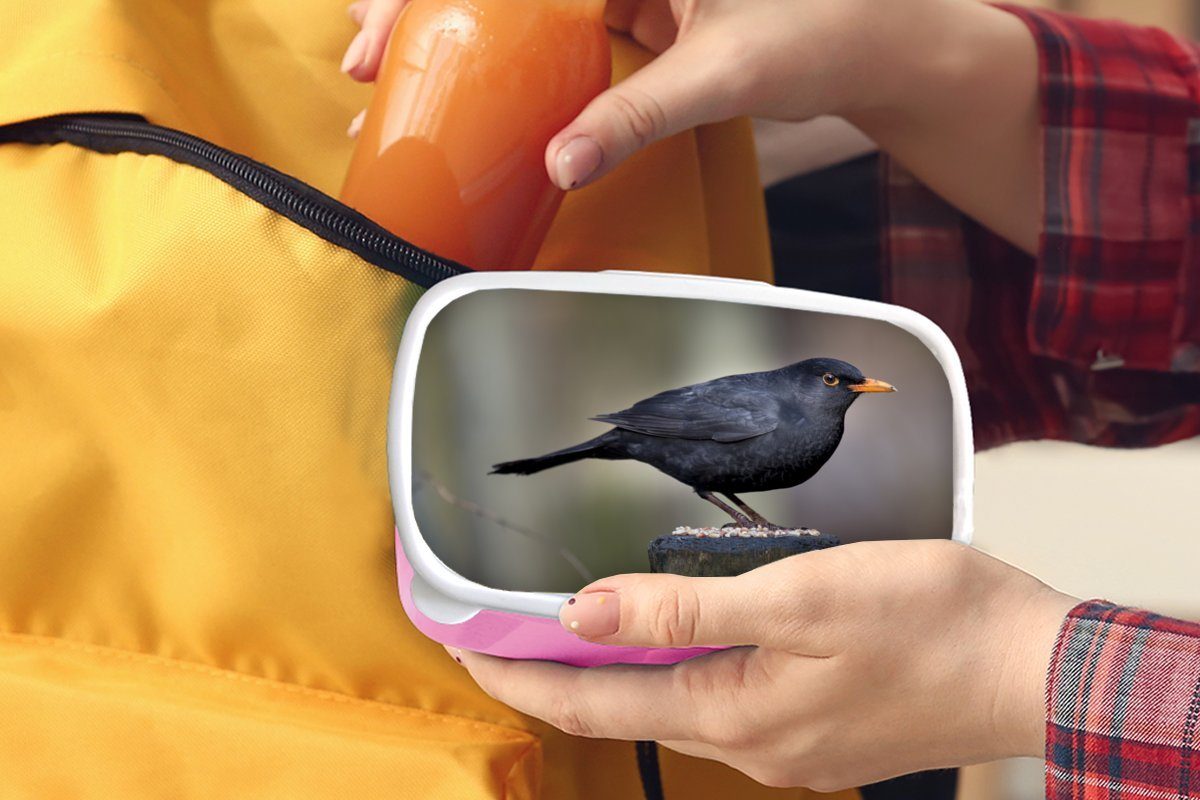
x: 868, y: 661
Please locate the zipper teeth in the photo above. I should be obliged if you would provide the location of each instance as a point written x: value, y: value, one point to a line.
x: 391, y: 248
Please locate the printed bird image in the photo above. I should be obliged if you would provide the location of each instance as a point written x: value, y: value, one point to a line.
x: 742, y: 433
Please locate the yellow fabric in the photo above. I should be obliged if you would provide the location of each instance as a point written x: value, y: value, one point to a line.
x: 197, y: 596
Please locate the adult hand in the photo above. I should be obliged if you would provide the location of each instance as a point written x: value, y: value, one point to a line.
x: 718, y: 59
x: 851, y: 665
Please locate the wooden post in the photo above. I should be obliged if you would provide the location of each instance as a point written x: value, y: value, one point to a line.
x: 722, y: 552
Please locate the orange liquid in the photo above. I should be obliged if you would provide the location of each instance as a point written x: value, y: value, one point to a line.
x: 451, y: 153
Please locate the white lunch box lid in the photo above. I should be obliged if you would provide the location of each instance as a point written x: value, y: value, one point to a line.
x: 443, y: 594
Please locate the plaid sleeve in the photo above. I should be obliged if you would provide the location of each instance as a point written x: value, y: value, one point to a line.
x: 1123, y: 702
x: 1097, y: 339
x: 1117, y: 282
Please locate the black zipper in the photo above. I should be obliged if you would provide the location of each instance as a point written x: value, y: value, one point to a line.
x: 318, y: 212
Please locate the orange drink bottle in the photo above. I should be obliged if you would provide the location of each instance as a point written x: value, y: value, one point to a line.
x: 452, y: 150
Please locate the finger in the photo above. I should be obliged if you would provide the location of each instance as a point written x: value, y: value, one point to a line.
x: 354, y: 54
x: 685, y: 86
x: 366, y: 51
x: 674, y: 611
x: 358, y: 11
x: 615, y: 702
x: 356, y: 124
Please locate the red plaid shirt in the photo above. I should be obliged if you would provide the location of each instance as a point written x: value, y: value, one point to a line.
x: 1124, y: 707
x: 1096, y: 340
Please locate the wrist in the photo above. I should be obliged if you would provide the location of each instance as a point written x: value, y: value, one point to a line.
x: 1019, y: 709
x: 882, y: 66
x: 929, y: 60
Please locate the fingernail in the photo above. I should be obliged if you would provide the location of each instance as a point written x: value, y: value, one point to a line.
x: 592, y: 614
x: 356, y: 52
x: 577, y: 161
x: 357, y: 11
x: 356, y: 125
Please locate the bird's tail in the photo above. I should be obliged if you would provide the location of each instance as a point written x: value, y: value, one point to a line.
x: 594, y: 448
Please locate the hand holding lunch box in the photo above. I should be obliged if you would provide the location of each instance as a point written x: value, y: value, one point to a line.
x: 928, y: 649
x: 497, y: 364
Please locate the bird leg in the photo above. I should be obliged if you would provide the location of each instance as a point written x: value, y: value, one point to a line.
x: 739, y: 518
x: 758, y: 519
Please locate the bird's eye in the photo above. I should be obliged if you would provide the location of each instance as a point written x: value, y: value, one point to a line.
x: 830, y: 379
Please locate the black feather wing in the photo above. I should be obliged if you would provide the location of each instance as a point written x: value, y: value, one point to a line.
x: 724, y: 410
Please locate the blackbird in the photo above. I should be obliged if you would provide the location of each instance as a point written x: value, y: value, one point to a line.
x: 741, y: 433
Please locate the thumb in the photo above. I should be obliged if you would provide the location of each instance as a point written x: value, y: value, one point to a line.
x: 671, y: 611
x: 680, y: 89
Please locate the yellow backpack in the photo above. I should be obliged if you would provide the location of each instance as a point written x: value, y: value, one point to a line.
x: 197, y: 594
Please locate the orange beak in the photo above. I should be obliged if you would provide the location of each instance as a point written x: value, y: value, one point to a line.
x: 872, y: 385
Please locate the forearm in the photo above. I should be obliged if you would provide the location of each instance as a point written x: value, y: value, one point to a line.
x: 951, y: 92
